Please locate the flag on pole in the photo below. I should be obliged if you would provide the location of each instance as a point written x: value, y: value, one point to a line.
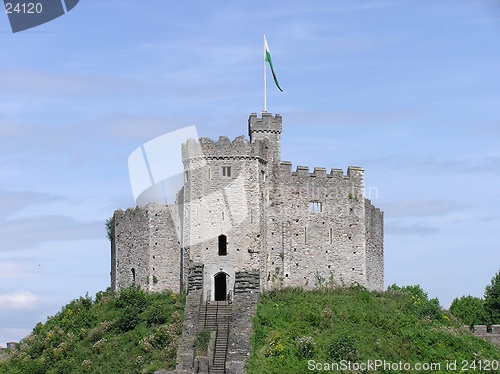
x: 267, y: 57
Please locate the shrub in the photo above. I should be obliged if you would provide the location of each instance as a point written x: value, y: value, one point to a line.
x: 492, y: 300
x: 275, y: 347
x: 470, y: 310
x: 343, y: 348
x: 156, y: 316
x: 133, y: 296
x: 201, y: 342
x: 128, y: 319
x: 305, y: 347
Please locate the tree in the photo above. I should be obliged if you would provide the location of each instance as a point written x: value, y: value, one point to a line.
x: 492, y: 300
x: 109, y: 228
x: 470, y: 310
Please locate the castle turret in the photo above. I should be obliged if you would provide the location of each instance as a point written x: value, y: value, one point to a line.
x: 266, y: 128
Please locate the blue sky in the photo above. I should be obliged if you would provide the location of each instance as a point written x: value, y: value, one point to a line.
x: 410, y: 90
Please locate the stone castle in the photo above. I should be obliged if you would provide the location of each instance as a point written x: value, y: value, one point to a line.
x: 245, y: 222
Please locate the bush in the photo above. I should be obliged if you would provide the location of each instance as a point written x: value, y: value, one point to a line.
x: 305, y: 347
x: 134, y: 297
x: 418, y: 302
x: 470, y: 310
x: 492, y: 300
x: 201, y: 342
x: 129, y: 319
x: 343, y: 348
x: 156, y: 315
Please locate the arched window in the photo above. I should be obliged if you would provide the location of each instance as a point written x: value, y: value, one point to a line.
x: 222, y: 245
x: 133, y: 275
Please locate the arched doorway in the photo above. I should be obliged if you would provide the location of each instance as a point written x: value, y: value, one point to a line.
x: 220, y: 286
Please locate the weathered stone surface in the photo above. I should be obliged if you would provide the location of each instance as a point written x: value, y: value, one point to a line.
x: 482, y: 332
x: 245, y: 222
x: 295, y: 228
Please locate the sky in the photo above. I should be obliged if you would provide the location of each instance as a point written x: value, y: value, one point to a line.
x: 409, y: 90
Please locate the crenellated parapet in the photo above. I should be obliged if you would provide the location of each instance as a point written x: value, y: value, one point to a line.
x: 239, y: 148
x: 267, y: 124
x: 481, y: 331
x: 320, y: 172
x: 243, y: 209
x: 352, y: 180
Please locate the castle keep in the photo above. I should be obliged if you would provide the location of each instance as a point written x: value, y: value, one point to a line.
x: 244, y: 221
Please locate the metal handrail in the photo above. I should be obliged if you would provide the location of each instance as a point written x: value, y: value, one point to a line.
x: 217, y: 314
x: 227, y: 346
x: 206, y: 309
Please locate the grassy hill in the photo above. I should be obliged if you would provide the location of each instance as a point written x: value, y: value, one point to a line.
x: 296, y: 331
x: 133, y: 332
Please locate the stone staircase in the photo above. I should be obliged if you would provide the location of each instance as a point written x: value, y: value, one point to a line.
x: 231, y: 349
x: 216, y: 316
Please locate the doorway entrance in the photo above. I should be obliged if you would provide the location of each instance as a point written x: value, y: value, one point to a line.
x: 220, y: 283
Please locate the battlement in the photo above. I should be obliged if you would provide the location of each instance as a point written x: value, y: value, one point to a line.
x: 481, y: 331
x: 319, y: 172
x: 222, y: 148
x: 242, y: 209
x: 266, y: 124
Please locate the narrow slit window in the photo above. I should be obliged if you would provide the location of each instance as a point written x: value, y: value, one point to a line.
x: 305, y: 235
x: 331, y: 236
x: 209, y: 173
x: 226, y: 171
x: 222, y: 245
x: 316, y: 207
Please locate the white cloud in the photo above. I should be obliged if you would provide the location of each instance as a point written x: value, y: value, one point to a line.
x: 20, y: 300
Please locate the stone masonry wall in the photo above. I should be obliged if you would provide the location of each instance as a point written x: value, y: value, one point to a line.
x: 324, y: 247
x: 165, y: 256
x: 374, y: 223
x: 146, y: 249
x: 296, y: 228
x: 217, y: 204
x: 131, y: 246
x: 493, y: 336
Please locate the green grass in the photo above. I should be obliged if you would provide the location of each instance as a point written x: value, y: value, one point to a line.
x: 130, y: 332
x: 294, y: 326
x: 137, y: 332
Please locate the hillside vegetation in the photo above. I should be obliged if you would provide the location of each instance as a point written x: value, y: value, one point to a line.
x: 129, y: 332
x: 296, y: 331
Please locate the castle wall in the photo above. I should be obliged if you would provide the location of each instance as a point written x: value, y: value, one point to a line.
x: 294, y: 228
x: 216, y: 204
x: 131, y: 258
x: 482, y: 332
x: 146, y: 249
x: 165, y: 255
x: 326, y: 247
x: 374, y: 223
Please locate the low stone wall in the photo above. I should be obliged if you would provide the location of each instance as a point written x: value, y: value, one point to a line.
x: 481, y: 331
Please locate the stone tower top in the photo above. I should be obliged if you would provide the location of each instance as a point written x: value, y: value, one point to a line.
x: 266, y: 128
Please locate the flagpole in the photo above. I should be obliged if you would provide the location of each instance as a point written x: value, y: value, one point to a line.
x: 265, y: 80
